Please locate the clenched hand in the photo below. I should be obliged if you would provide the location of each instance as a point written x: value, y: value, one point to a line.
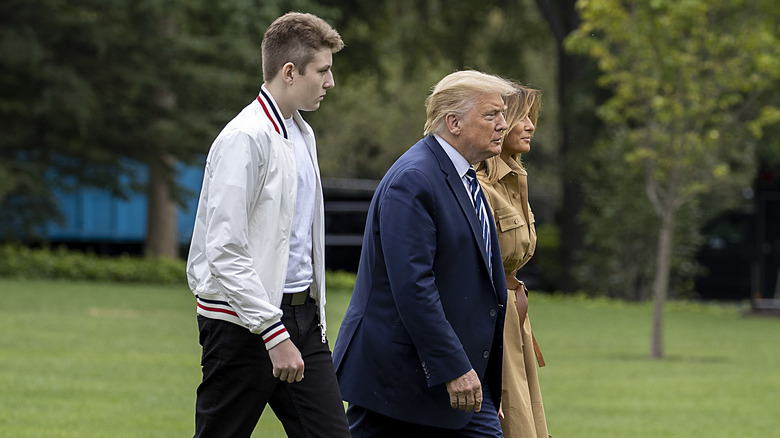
x: 466, y: 392
x: 287, y: 362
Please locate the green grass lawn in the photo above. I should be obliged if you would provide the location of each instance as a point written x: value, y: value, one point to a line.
x: 110, y: 360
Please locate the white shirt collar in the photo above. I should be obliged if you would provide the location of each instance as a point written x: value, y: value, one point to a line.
x: 461, y: 164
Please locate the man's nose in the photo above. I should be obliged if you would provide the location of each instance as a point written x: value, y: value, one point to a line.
x: 330, y: 82
x: 501, y: 124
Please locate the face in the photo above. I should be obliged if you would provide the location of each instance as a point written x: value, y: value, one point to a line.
x: 480, y: 129
x: 518, y: 140
x: 309, y: 89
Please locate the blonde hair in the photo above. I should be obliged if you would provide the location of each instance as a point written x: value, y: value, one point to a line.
x: 457, y: 92
x: 524, y: 102
x: 296, y: 37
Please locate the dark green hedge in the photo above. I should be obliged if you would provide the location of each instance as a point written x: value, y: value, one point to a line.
x: 46, y: 263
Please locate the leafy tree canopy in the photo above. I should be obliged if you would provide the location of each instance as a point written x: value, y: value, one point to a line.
x: 87, y: 85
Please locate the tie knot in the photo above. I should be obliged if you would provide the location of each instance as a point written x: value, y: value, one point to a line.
x: 471, y: 173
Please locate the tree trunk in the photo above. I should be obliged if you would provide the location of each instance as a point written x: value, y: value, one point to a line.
x: 578, y: 98
x: 661, y: 282
x: 161, y: 238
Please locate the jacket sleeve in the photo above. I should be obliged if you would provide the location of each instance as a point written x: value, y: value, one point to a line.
x: 408, y: 234
x: 237, y: 175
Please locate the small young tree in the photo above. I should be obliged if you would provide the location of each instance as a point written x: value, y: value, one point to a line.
x: 685, y: 76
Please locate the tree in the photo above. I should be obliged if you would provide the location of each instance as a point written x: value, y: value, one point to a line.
x: 620, y: 228
x: 88, y: 88
x: 396, y: 50
x: 580, y: 127
x: 685, y: 76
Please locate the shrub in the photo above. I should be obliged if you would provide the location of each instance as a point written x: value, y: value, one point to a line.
x: 25, y: 263
x: 341, y: 281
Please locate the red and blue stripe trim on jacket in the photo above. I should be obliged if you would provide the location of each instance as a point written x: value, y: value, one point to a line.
x: 271, y: 332
x: 272, y: 112
x: 216, y: 308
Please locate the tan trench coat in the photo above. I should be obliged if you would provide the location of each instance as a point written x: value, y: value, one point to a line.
x: 521, y: 395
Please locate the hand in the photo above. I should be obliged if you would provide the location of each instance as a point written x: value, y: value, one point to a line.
x: 512, y: 282
x: 466, y: 392
x: 522, y: 302
x: 287, y: 362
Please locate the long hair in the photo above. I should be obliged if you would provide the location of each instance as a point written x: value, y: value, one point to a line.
x: 524, y: 102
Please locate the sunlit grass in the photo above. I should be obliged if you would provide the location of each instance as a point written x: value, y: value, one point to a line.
x: 111, y: 360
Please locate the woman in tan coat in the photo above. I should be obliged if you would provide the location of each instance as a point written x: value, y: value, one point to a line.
x: 504, y: 182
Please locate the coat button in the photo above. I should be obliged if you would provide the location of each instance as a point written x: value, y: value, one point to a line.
x: 516, y: 221
x: 492, y: 312
x: 485, y: 354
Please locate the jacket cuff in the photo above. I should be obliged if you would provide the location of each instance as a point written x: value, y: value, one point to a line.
x: 274, y: 334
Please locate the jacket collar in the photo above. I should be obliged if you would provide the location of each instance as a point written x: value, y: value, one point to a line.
x: 272, y: 111
x: 505, y: 168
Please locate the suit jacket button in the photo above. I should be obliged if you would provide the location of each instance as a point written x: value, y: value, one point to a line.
x: 485, y: 354
x: 492, y: 312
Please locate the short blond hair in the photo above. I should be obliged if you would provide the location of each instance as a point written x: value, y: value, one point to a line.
x: 457, y: 93
x: 296, y: 37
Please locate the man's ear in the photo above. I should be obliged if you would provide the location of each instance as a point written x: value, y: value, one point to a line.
x: 453, y: 123
x: 287, y: 73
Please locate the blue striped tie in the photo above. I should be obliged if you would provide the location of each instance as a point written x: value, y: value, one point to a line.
x: 480, y: 205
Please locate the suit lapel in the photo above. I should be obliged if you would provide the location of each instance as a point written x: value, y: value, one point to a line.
x: 456, y: 186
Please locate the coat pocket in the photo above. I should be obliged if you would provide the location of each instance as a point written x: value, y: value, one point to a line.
x: 508, y: 219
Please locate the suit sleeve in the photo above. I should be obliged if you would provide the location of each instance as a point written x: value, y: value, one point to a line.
x: 408, y: 234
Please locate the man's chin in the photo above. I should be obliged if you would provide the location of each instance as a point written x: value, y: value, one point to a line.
x: 311, y: 107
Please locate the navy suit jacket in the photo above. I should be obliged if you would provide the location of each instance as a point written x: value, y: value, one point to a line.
x: 424, y: 309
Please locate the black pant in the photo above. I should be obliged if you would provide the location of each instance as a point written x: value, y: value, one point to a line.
x: 238, y: 381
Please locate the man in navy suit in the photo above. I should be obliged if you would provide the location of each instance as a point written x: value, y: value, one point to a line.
x: 419, y: 350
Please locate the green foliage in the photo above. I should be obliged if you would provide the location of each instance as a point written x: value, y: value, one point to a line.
x: 621, y: 231
x: 689, y: 81
x: 395, y: 52
x: 21, y: 262
x: 366, y: 125
x: 90, y: 86
x: 548, y: 242
x: 339, y: 281
x: 684, y: 76
x: 25, y: 263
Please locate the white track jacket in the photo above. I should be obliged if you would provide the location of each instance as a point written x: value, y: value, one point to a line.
x: 240, y: 244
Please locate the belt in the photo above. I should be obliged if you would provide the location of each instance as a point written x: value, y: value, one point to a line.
x: 296, y: 299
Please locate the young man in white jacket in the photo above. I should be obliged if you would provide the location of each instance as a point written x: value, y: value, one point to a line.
x: 256, y: 262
